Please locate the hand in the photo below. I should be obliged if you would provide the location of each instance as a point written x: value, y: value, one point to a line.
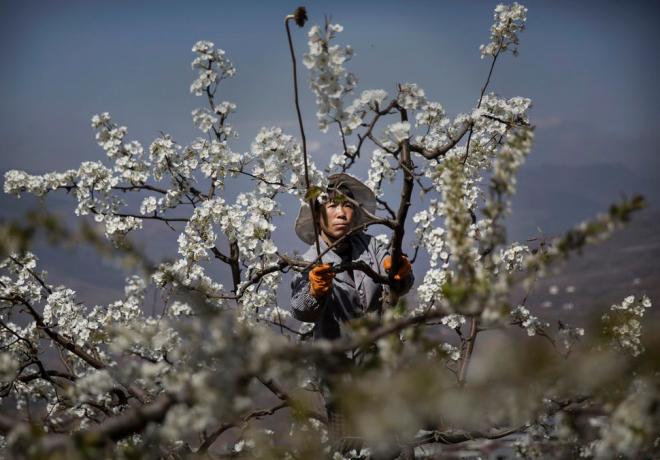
x: 320, y: 279
x: 405, y: 269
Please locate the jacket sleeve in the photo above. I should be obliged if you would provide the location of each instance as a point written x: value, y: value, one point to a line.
x: 304, y: 306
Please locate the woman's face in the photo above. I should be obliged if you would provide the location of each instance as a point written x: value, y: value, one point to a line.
x: 336, y: 219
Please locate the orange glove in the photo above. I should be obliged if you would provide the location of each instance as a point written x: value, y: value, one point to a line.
x: 320, y: 279
x: 405, y: 269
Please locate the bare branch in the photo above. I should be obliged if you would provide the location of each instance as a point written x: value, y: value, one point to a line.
x: 466, y: 350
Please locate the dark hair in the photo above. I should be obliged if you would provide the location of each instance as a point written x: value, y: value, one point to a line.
x: 332, y: 193
x: 340, y: 190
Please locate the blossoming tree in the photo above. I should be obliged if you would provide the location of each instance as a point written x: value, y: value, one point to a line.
x: 88, y: 380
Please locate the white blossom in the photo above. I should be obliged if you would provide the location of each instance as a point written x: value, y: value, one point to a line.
x: 453, y: 321
x: 204, y: 119
x: 379, y: 169
x: 399, y: 131
x: 522, y: 316
x: 509, y: 20
x: 212, y: 66
x: 623, y: 323
x: 411, y: 96
x: 196, y: 336
x: 148, y: 205
x: 329, y: 79
x: 369, y: 100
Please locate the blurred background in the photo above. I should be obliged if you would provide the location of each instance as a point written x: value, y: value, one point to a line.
x: 590, y: 69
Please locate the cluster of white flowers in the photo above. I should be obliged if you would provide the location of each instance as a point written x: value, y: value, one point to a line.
x: 93, y: 387
x: 254, y: 229
x: 496, y: 113
x: 88, y: 327
x: 379, y: 169
x: 204, y: 119
x: 193, y: 349
x: 64, y: 313
x: 117, y: 227
x: 440, y: 132
x: 134, y: 291
x: 21, y: 283
x: 217, y: 159
x: 168, y: 158
x: 382, y: 239
x: 90, y: 330
x: 258, y: 251
x: 353, y: 454
x: 433, y: 239
x: 512, y: 258
x: 453, y: 321
x: 569, y: 336
x: 458, y: 200
x: 622, y: 323
x: 199, y: 236
x: 398, y: 132
x: 451, y: 351
x: 150, y: 337
x: 510, y: 157
x: 192, y: 276
x: 225, y: 108
x: 212, y: 65
x: 149, y: 205
x: 20, y: 181
x: 521, y: 316
x: 162, y: 152
x: 178, y: 308
x: 430, y: 290
x: 94, y: 184
x: 278, y: 160
x: 127, y: 157
x: 329, y: 79
x: 339, y: 161
x: 508, y: 160
x: 430, y: 237
x: 411, y: 96
x: 509, y: 20
x: 248, y: 223
x: 369, y: 100
x: 432, y: 114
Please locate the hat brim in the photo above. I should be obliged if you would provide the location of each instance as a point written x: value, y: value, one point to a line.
x: 361, y: 193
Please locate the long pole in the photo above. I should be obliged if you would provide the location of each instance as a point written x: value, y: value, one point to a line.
x: 300, y: 16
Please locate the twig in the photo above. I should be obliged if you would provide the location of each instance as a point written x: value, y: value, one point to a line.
x: 466, y: 352
x: 481, y: 97
x: 300, y: 17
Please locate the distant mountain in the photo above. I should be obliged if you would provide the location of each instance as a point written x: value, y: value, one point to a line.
x: 556, y: 197
x: 579, y: 144
x: 627, y: 263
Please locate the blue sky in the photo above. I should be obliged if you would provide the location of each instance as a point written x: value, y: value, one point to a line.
x: 581, y: 62
x: 589, y: 67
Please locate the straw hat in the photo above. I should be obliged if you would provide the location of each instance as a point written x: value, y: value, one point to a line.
x: 361, y: 193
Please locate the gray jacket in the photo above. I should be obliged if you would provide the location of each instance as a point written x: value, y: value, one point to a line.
x: 349, y: 298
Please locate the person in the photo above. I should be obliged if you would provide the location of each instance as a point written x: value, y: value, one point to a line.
x: 331, y: 299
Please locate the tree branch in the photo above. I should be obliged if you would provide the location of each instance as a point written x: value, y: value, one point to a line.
x: 466, y: 351
x: 402, y: 213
